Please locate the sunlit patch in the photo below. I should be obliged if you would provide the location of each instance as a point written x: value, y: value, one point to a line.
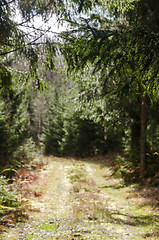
x: 77, y: 201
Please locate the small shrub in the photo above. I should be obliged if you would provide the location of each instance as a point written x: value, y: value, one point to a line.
x: 152, y: 163
x: 124, y: 168
x: 26, y: 152
x: 7, y: 196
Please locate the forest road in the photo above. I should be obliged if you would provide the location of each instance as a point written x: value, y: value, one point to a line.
x: 80, y: 199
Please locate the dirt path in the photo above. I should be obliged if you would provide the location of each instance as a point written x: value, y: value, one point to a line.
x: 81, y: 200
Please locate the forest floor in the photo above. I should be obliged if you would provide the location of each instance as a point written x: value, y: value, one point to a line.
x: 80, y: 199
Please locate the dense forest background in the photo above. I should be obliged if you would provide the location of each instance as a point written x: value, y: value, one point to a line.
x: 89, y: 90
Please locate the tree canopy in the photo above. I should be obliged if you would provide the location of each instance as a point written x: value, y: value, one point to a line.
x: 110, y: 50
x: 123, y: 50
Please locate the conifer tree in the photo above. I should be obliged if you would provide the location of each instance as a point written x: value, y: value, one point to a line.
x: 122, y: 48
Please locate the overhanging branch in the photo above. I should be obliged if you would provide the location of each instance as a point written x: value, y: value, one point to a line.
x: 23, y: 46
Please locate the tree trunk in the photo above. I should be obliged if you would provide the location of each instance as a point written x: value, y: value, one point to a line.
x: 39, y: 127
x: 135, y: 141
x: 143, y: 134
x: 8, y: 125
x: 143, y: 108
x: 135, y: 135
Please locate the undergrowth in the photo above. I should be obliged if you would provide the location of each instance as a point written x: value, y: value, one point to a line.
x: 8, y: 196
x: 124, y: 168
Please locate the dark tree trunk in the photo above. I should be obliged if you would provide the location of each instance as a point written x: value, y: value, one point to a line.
x: 135, y: 136
x: 143, y: 107
x: 143, y: 135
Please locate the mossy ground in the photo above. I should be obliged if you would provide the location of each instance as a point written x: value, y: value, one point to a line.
x: 80, y: 199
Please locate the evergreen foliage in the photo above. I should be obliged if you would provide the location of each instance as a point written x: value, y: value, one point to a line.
x: 123, y: 52
x: 14, y: 123
x: 82, y: 137
x: 7, y: 196
x: 65, y: 132
x: 111, y: 50
x: 53, y: 125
